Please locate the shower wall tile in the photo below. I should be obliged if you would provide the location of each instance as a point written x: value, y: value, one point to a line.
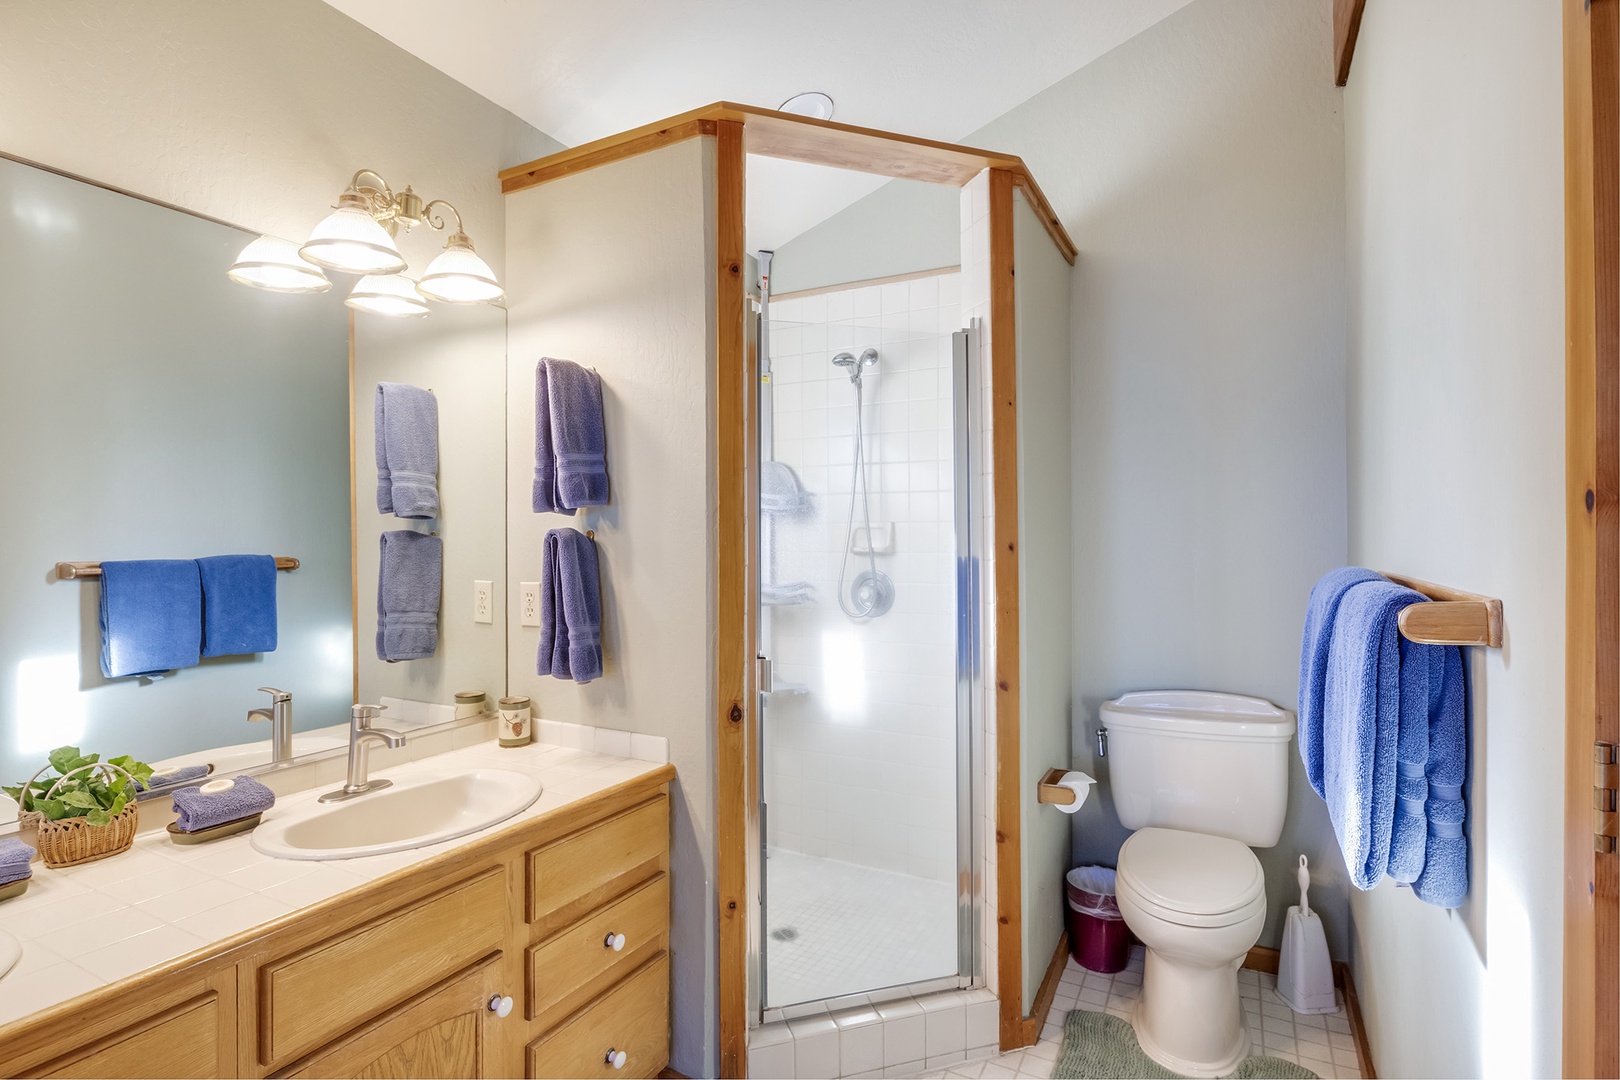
x: 861, y: 766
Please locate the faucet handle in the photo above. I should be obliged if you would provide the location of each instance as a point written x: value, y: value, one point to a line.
x: 363, y: 713
x: 276, y: 696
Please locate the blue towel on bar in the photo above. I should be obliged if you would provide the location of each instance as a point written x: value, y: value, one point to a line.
x: 570, y: 608
x: 407, y: 421
x: 1444, y: 880
x: 1410, y: 828
x: 15, y: 857
x: 244, y: 798
x: 409, y: 580
x: 151, y: 617
x: 570, y: 438
x: 1313, y: 662
x: 1362, y: 710
x: 239, y: 604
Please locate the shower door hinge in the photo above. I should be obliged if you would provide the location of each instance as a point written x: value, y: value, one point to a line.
x: 1605, y: 782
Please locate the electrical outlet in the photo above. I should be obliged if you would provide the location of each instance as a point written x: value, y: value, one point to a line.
x: 483, y: 601
x: 529, y: 602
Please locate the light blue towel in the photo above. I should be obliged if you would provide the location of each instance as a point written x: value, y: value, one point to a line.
x: 15, y: 857
x: 570, y: 608
x: 410, y: 578
x: 151, y: 617
x: 239, y: 604
x: 407, y: 421
x: 570, y: 444
x: 1444, y: 881
x: 1410, y: 828
x: 1313, y: 662
x: 1362, y: 712
x: 244, y: 798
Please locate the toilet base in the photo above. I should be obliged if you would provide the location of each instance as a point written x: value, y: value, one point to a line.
x: 1190, y: 1018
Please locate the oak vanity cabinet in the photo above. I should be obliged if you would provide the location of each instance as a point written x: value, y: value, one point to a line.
x: 539, y: 950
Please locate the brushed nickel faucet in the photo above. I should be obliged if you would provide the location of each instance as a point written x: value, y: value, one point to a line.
x: 361, y: 736
x: 279, y: 714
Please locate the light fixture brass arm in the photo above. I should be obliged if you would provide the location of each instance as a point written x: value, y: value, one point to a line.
x: 437, y: 221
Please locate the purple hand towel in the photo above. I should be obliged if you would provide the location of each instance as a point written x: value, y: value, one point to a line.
x: 244, y: 798
x: 15, y: 857
x: 570, y: 608
x: 570, y: 443
x: 410, y: 577
x: 407, y: 422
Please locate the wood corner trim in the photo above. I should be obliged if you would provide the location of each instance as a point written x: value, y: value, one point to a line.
x: 1346, y: 28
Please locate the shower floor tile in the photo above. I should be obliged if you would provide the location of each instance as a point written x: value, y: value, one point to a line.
x: 835, y: 928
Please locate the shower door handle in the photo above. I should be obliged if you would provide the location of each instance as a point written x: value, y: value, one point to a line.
x: 762, y: 674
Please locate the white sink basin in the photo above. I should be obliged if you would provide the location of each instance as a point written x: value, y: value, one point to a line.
x: 413, y: 813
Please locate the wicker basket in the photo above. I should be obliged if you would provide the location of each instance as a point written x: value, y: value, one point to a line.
x: 71, y: 841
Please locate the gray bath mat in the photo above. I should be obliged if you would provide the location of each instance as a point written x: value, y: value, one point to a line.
x: 1097, y: 1046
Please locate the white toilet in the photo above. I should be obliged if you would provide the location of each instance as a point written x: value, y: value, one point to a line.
x: 1201, y: 778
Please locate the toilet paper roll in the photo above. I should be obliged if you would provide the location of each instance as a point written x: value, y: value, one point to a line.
x: 1080, y: 784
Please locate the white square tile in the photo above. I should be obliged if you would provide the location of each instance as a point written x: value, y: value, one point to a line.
x: 945, y: 1061
x: 611, y: 741
x: 119, y: 924
x: 860, y: 1048
x: 983, y: 1023
x: 19, y: 997
x: 946, y: 1032
x: 140, y: 952
x: 206, y: 894
x: 654, y: 748
x: 234, y: 917
x: 816, y: 1055
x: 257, y: 877
x: 904, y: 1039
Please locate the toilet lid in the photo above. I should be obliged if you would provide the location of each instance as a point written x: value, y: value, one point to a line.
x: 1190, y: 874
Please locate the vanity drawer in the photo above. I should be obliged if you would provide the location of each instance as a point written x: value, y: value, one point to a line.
x: 313, y: 996
x: 570, y: 876
x: 181, y: 1042
x: 633, y: 1018
x: 571, y: 968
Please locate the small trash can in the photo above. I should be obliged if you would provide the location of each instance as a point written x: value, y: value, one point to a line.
x: 1098, y: 937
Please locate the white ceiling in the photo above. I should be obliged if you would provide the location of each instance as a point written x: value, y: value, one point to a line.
x: 583, y: 69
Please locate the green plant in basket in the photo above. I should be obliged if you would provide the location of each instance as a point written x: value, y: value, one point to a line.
x: 96, y: 795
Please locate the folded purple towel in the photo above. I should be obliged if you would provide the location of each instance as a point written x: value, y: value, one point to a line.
x: 15, y: 857
x: 570, y: 438
x: 570, y: 608
x: 244, y: 798
x: 184, y: 775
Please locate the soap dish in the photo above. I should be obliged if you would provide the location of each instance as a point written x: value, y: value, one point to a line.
x: 213, y: 832
x: 15, y: 888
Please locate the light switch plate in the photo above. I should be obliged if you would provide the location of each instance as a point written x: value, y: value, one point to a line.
x: 529, y: 602
x: 483, y: 601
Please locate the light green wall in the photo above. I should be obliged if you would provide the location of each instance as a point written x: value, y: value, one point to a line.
x: 903, y: 227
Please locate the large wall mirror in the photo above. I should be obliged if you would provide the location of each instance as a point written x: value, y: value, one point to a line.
x: 150, y: 408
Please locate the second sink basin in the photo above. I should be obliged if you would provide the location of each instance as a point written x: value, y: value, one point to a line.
x: 413, y: 813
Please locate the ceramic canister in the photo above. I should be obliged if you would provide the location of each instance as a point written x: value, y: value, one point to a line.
x: 516, y: 725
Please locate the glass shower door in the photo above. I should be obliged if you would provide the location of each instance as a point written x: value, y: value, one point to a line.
x: 863, y: 748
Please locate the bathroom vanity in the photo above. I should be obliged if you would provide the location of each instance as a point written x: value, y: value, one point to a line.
x: 538, y: 947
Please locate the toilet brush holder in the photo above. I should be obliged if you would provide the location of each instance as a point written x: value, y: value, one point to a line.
x: 1304, y: 970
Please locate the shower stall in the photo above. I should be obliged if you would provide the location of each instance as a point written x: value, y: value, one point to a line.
x: 866, y: 633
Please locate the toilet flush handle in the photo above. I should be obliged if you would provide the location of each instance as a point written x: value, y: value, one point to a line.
x: 1102, y: 742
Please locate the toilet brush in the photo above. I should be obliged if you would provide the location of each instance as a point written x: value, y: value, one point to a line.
x: 1304, y: 972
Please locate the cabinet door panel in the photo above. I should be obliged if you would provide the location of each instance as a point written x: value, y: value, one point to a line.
x: 180, y: 1042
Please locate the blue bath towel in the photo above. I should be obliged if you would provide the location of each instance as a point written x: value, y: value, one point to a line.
x: 570, y: 444
x: 1361, y: 734
x: 244, y: 798
x: 570, y: 608
x: 1313, y: 662
x: 1410, y: 828
x: 409, y: 580
x: 151, y: 617
x: 15, y: 857
x: 239, y: 604
x: 407, y: 420
x: 1444, y: 880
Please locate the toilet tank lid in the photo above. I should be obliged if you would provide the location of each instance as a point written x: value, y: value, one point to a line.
x: 1200, y: 713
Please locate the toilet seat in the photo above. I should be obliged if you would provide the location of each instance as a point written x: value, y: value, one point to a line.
x: 1191, y: 879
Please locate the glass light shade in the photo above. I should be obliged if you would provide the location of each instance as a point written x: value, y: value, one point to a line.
x: 387, y: 294
x: 459, y: 276
x: 273, y: 263
x: 349, y: 239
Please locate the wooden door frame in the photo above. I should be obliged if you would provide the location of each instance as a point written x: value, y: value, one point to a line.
x: 1592, y: 526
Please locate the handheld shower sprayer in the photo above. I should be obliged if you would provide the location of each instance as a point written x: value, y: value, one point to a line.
x: 872, y: 593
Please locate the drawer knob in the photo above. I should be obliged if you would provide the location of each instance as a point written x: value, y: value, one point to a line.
x: 501, y: 1006
x: 616, y: 1058
x: 614, y: 942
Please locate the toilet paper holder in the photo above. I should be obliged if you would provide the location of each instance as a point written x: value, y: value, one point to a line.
x: 1048, y: 791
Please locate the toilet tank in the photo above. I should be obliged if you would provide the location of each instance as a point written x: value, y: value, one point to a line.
x: 1199, y: 761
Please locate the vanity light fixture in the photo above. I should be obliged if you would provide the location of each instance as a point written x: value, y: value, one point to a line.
x: 358, y: 238
x: 273, y: 263
x: 387, y: 294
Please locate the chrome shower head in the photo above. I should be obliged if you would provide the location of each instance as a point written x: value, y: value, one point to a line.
x: 855, y: 365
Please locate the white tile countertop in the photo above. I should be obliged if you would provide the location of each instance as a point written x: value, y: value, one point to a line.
x: 83, y: 927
